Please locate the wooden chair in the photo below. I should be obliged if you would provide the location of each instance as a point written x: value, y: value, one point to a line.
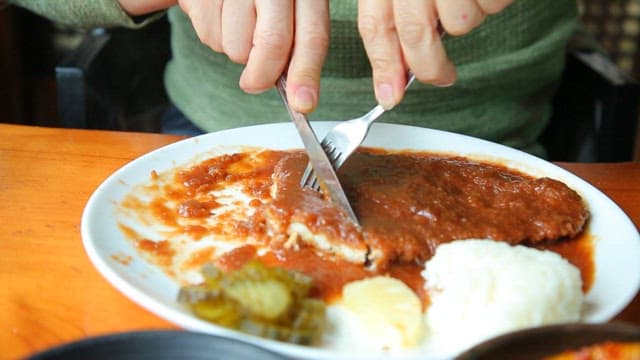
x: 595, y: 111
x: 114, y: 81
x: 596, y: 108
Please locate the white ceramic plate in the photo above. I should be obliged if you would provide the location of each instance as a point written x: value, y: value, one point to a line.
x: 617, y: 251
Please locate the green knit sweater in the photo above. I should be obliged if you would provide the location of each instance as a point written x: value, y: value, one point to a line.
x: 507, y: 68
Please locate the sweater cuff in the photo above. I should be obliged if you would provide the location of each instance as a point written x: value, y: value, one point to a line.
x: 87, y: 14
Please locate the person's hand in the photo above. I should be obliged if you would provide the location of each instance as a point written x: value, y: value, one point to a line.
x: 270, y: 37
x: 402, y: 35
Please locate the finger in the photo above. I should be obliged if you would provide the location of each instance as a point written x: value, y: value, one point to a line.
x: 310, y: 49
x: 493, y: 6
x: 272, y: 42
x: 206, y: 20
x: 458, y: 17
x: 238, y: 23
x: 377, y: 29
x: 417, y: 26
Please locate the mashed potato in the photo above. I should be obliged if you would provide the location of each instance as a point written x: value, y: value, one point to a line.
x: 482, y: 288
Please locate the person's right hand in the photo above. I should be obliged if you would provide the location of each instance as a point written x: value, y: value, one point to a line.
x: 271, y: 37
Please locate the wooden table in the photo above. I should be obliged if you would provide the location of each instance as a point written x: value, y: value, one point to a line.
x: 50, y: 293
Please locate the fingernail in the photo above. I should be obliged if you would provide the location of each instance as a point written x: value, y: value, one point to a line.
x: 304, y: 99
x: 385, y: 96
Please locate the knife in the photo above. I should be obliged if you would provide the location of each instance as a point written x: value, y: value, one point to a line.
x: 329, y: 182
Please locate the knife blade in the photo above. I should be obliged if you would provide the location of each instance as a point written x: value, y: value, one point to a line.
x: 329, y: 182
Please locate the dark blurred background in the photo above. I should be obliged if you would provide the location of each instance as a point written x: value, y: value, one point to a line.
x: 30, y: 47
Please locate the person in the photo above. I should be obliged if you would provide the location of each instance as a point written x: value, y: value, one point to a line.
x: 491, y: 76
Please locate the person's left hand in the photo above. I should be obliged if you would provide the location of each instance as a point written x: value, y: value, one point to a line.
x: 399, y: 35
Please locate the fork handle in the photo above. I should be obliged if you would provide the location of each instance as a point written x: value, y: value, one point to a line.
x: 410, y: 80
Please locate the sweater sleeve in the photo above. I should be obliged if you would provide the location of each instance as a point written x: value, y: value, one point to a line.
x: 85, y: 14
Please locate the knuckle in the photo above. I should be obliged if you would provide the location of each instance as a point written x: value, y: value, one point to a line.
x: 304, y: 71
x: 369, y: 27
x: 237, y: 57
x: 304, y: 77
x: 382, y: 65
x: 316, y: 41
x: 275, y: 41
x: 206, y: 38
x: 412, y: 32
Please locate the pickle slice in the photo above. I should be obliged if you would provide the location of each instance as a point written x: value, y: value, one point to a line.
x: 263, y: 301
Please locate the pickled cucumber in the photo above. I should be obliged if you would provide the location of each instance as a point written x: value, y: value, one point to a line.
x: 264, y: 301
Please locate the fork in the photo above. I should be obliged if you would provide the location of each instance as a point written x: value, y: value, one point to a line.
x: 344, y: 139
